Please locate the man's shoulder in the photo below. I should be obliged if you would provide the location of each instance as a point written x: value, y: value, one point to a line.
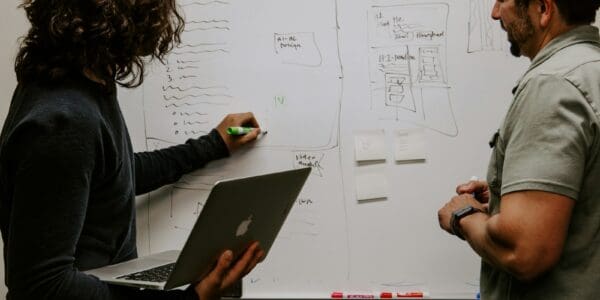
x: 577, y: 65
x: 571, y: 60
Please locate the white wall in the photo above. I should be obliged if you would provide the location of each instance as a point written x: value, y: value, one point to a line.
x: 13, y: 24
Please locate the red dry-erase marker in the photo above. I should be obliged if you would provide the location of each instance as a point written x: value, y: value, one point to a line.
x: 410, y: 295
x: 337, y: 295
x: 360, y: 296
x: 386, y: 295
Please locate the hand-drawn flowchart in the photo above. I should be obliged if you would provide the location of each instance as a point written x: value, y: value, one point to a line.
x: 409, y: 82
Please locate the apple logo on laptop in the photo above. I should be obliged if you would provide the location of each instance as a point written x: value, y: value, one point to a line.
x: 243, y: 227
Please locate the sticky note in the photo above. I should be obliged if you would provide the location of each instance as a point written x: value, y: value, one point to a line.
x: 371, y: 183
x: 369, y: 145
x: 409, y: 145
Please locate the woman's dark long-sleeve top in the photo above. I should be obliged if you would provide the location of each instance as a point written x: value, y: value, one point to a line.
x: 68, y: 180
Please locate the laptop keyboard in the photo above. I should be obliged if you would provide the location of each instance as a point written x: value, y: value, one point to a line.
x: 158, y: 274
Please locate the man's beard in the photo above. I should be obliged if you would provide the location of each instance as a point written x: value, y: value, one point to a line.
x: 515, y: 50
x: 519, y: 32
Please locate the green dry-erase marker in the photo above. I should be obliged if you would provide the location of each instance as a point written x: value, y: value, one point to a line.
x: 239, y: 130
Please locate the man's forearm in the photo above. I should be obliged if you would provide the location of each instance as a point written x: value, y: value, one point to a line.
x: 496, y: 245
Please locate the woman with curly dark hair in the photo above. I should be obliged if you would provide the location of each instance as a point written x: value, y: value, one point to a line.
x: 68, y: 173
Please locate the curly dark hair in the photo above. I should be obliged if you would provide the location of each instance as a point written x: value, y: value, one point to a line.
x: 109, y: 38
x: 578, y: 12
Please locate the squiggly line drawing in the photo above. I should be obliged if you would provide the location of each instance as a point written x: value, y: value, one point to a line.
x: 188, y: 67
x: 208, y: 28
x: 205, y: 3
x: 170, y: 98
x: 196, y: 122
x: 170, y: 87
x: 194, y: 104
x: 200, y: 52
x: 207, y: 21
x: 192, y: 113
x: 200, y: 45
x: 181, y: 61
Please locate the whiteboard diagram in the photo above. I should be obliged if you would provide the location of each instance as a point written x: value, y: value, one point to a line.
x: 485, y: 34
x: 228, y: 64
x: 407, y: 49
x: 283, y: 64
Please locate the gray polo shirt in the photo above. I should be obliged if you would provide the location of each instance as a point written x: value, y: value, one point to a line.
x: 549, y: 141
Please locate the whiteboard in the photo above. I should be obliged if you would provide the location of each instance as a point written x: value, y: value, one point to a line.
x: 317, y: 74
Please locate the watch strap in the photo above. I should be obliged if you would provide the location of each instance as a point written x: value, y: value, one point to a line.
x: 459, y: 214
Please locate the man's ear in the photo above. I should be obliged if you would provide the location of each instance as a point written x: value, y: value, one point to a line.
x: 546, y: 10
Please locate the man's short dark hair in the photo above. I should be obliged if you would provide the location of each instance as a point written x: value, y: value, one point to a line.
x: 575, y: 12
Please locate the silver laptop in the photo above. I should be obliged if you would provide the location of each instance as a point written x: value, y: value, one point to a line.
x: 236, y: 213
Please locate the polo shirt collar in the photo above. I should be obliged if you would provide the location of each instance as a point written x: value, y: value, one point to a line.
x: 577, y: 35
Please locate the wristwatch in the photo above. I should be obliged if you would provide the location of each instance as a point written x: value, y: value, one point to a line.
x: 459, y: 214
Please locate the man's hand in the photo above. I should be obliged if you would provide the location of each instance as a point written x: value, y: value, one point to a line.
x: 234, y: 142
x: 224, y: 275
x: 457, y: 202
x: 477, y: 188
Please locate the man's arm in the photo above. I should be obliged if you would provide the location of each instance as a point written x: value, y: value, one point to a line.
x: 545, y: 141
x: 526, y: 238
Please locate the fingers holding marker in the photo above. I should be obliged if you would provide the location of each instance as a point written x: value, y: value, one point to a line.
x: 239, y: 129
x: 248, y: 133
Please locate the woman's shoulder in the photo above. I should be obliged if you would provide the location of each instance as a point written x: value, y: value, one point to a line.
x: 72, y: 102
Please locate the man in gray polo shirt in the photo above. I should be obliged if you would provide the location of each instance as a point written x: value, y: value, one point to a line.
x: 536, y: 225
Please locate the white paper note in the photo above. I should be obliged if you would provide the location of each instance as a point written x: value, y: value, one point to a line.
x: 371, y: 184
x: 369, y: 145
x: 409, y: 145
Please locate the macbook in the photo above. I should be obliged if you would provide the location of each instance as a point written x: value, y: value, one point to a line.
x: 236, y: 213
